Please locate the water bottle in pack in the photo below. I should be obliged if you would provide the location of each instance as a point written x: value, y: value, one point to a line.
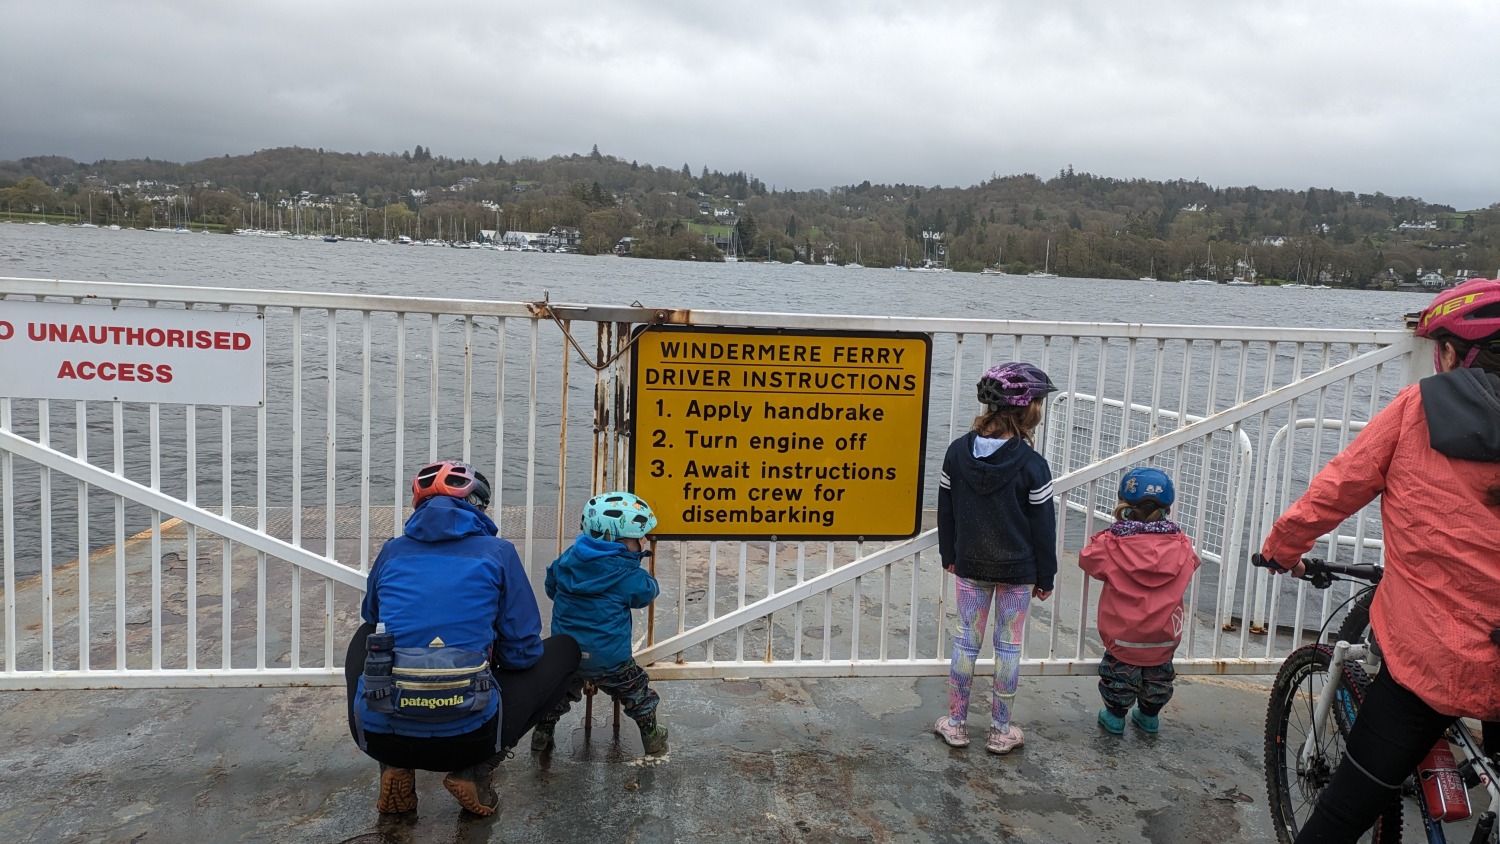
x: 380, y: 649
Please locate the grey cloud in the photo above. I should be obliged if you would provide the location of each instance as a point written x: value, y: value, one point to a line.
x: 1361, y: 96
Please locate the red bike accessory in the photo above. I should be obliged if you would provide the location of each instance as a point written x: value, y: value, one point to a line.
x: 1443, y: 785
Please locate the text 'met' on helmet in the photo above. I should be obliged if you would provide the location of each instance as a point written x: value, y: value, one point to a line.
x: 613, y: 516
x: 1144, y: 483
x: 452, y: 478
x: 1015, y: 383
x: 1469, y: 312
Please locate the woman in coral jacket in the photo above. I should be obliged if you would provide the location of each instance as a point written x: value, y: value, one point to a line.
x: 1433, y: 455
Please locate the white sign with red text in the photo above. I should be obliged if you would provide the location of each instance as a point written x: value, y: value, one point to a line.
x: 110, y: 353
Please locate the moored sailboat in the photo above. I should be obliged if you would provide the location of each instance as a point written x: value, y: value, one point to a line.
x: 1046, y: 270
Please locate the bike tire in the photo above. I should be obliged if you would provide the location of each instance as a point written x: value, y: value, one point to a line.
x: 1356, y: 625
x: 1292, y: 786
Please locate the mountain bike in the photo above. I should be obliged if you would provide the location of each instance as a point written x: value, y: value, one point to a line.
x: 1314, y: 702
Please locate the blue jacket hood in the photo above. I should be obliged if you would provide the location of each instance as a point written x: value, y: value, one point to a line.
x: 593, y: 586
x: 596, y: 566
x: 444, y: 517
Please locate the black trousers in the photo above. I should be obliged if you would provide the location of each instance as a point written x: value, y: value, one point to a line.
x: 1393, y: 732
x: 525, y: 696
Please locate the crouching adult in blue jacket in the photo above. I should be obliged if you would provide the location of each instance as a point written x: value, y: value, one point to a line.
x: 449, y: 669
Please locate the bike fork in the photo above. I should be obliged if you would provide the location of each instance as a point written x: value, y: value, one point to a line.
x: 1326, y: 698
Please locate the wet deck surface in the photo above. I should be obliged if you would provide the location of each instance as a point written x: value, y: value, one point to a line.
x: 762, y: 761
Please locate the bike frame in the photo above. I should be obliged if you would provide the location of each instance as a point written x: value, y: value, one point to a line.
x: 1458, y: 733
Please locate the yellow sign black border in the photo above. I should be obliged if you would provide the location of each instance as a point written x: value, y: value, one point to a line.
x: 751, y: 535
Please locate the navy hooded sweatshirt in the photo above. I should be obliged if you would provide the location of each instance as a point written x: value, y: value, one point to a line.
x: 593, y: 586
x: 996, y: 517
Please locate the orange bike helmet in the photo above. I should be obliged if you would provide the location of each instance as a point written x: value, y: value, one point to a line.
x: 453, y: 478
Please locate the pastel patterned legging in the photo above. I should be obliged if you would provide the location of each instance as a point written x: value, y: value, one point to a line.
x: 1011, y: 601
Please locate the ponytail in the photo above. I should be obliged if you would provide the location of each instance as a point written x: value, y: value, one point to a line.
x: 1145, y: 510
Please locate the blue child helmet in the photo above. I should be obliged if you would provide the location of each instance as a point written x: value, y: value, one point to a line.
x: 614, y: 516
x: 1145, y: 482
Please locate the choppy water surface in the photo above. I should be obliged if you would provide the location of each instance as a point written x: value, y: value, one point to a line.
x: 347, y: 267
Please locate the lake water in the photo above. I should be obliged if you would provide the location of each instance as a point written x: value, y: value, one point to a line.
x: 28, y: 251
x: 277, y: 263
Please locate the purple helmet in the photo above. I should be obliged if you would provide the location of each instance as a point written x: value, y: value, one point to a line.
x: 1014, y: 383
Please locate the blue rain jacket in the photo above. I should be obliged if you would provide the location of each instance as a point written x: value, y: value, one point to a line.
x: 450, y: 577
x: 593, y: 586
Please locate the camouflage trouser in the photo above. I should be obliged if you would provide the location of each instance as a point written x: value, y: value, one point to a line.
x: 1122, y: 685
x: 627, y: 683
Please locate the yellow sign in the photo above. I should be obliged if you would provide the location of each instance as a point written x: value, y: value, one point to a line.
x: 761, y: 433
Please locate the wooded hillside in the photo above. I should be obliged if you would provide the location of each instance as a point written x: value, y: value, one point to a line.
x: 1081, y: 224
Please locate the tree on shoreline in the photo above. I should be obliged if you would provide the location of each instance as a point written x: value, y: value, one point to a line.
x: 1096, y: 225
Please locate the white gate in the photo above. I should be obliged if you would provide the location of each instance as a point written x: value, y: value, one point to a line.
x: 159, y: 545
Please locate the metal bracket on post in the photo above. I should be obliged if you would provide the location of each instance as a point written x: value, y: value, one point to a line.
x: 635, y: 314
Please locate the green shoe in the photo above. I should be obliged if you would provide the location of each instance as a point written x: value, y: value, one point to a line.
x: 1112, y: 722
x: 654, y: 738
x: 1147, y: 723
x: 542, y: 737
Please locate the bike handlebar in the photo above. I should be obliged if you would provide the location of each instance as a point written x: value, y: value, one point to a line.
x: 1321, y: 573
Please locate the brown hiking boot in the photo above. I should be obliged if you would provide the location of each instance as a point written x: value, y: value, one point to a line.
x: 398, y: 791
x: 471, y: 788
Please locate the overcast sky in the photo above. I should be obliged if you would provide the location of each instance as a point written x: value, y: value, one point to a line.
x: 1399, y: 96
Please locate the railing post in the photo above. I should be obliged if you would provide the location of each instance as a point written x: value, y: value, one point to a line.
x: 1420, y: 363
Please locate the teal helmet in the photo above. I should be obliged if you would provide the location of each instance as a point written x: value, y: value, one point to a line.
x: 614, y: 516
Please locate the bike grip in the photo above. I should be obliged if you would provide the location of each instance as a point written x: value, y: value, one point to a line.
x: 1267, y: 563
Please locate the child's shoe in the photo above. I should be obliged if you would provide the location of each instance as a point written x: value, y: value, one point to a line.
x: 955, y: 733
x: 1003, y: 742
x: 653, y: 737
x: 1112, y: 722
x: 398, y: 790
x: 1147, y: 723
x: 542, y: 736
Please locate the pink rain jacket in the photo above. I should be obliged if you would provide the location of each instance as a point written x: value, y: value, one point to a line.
x: 1140, y: 608
x: 1440, y: 596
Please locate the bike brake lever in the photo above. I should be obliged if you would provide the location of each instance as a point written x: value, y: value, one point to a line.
x: 1320, y: 580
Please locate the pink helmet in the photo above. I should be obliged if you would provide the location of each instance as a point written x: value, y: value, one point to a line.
x: 1469, y: 312
x: 1016, y: 384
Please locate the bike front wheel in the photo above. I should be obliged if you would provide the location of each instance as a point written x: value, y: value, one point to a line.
x: 1294, y: 779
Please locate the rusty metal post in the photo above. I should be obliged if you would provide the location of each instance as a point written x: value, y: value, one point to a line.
x: 562, y: 448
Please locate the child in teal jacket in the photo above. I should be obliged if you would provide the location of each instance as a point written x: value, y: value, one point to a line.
x: 593, y: 586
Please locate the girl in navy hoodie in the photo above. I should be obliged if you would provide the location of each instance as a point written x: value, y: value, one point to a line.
x: 593, y: 586
x: 997, y: 533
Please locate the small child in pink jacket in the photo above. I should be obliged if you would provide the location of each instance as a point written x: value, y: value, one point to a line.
x: 1146, y: 563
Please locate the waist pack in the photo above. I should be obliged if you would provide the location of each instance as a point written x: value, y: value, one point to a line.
x: 432, y: 685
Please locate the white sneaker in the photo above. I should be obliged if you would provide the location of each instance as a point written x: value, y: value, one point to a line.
x: 1006, y: 741
x: 955, y: 733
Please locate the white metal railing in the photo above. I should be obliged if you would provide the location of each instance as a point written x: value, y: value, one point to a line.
x: 194, y: 546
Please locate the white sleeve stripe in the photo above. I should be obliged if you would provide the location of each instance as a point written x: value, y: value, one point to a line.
x: 943, y: 482
x: 1041, y: 495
